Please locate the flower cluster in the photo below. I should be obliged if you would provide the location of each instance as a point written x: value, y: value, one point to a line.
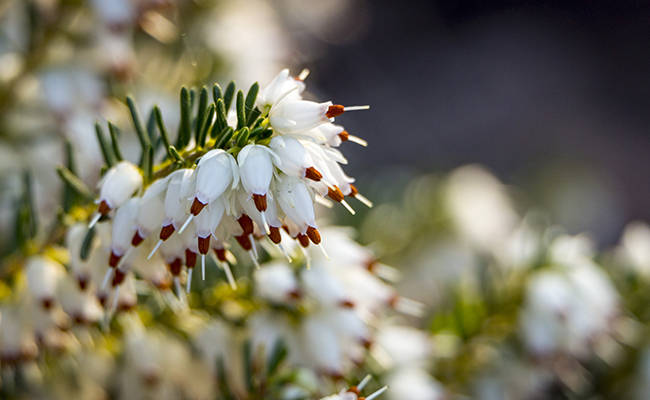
x: 273, y: 156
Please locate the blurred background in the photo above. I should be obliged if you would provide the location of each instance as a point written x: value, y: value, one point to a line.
x: 507, y: 160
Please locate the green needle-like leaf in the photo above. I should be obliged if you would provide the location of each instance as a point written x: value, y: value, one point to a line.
x: 76, y: 184
x: 206, y: 124
x: 217, y: 93
x: 115, y: 133
x: 109, y: 158
x: 161, y: 127
x: 278, y: 354
x: 184, y: 128
x: 222, y: 116
x: 200, y: 116
x: 251, y: 96
x: 241, y: 112
x: 87, y: 243
x: 242, y: 136
x: 229, y: 95
x: 137, y: 124
x: 224, y: 137
x: 147, y: 163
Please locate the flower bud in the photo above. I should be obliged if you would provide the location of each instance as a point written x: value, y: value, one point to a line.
x: 214, y: 173
x: 296, y: 116
x: 283, y: 86
x: 43, y: 275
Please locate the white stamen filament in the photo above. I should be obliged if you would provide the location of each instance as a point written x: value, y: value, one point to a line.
x: 124, y: 256
x: 203, y: 266
x: 364, y: 200
x: 357, y: 140
x: 348, y: 207
x: 356, y: 108
x: 188, y: 284
x: 186, y: 223
x: 107, y: 278
x: 307, y: 258
x: 155, y: 249
x: 266, y: 224
x: 284, y: 251
x: 253, y: 246
x: 303, y: 74
x: 377, y: 393
x: 409, y: 307
x: 364, y: 382
x: 323, y: 201
x: 322, y: 250
x: 229, y: 276
x: 177, y: 286
x: 116, y: 298
x: 254, y: 258
x: 93, y: 221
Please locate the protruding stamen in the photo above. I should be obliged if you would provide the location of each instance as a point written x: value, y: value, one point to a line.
x: 377, y: 393
x: 246, y: 224
x: 267, y: 229
x: 344, y: 136
x: 166, y: 231
x: 274, y: 234
x: 186, y: 223
x: 116, y: 298
x: 190, y: 259
x: 113, y: 259
x: 322, y: 250
x: 407, y: 306
x: 124, y: 257
x: 107, y: 277
x: 244, y: 241
x: 284, y: 251
x: 204, y: 244
x: 334, y: 111
x: 364, y: 382
x: 254, y: 247
x: 303, y: 74
x: 260, y: 201
x: 313, y: 235
x: 93, y: 221
x: 103, y: 208
x: 136, y: 239
x: 313, y: 174
x: 155, y: 249
x: 357, y: 140
x: 356, y: 108
x: 364, y: 200
x: 203, y: 266
x: 254, y: 258
x: 118, y: 277
x: 335, y: 193
x: 303, y: 239
x: 221, y: 254
x: 197, y: 207
x: 188, y: 284
x: 323, y: 201
x: 229, y: 276
x: 348, y: 207
x: 175, y: 266
x: 177, y: 286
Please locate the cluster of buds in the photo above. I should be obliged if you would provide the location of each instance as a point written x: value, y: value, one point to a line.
x: 248, y: 174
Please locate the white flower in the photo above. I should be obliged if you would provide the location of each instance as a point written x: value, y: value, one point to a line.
x: 256, y: 171
x: 151, y: 211
x: 295, y: 159
x: 118, y: 185
x: 295, y: 200
x: 123, y: 229
x: 43, y: 276
x: 296, y: 116
x: 283, y: 86
x: 176, y: 201
x: 276, y: 282
x: 215, y: 172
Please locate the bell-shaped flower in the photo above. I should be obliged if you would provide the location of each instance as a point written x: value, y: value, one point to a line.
x: 151, y: 212
x: 256, y: 171
x: 296, y: 202
x: 295, y: 158
x: 43, y: 276
x: 206, y: 224
x: 333, y: 135
x: 215, y: 171
x: 176, y: 201
x: 123, y: 229
x: 276, y: 282
x: 283, y: 86
x: 295, y: 116
x: 118, y: 185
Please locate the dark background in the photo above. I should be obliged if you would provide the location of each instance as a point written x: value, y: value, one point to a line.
x: 550, y: 95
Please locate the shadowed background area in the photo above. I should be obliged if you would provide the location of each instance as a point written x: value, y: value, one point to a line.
x: 551, y: 95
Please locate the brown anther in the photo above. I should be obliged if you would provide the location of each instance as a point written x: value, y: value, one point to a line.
x: 313, y: 174
x: 371, y: 264
x: 221, y: 254
x: 246, y: 224
x: 113, y: 259
x: 197, y: 206
x: 286, y: 229
x: 190, y: 258
x: 366, y: 343
x: 346, y: 303
x: 175, y: 266
x: 47, y: 303
x: 118, y: 277
x: 335, y: 193
x: 334, y: 111
x: 353, y: 190
x: 392, y: 301
x: 353, y: 389
x: 295, y: 294
x: 274, y: 234
x: 137, y: 239
x: 102, y: 298
x: 167, y: 231
x: 103, y: 208
x: 313, y: 234
x: 164, y: 284
x: 126, y: 305
x: 260, y: 201
x: 303, y: 239
x: 244, y: 241
x: 79, y: 318
x: 82, y: 281
x: 344, y: 136
x: 204, y: 244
